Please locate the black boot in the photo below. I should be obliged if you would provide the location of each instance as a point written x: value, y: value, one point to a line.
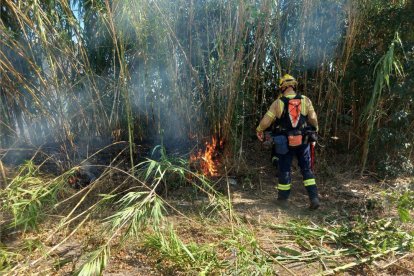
x: 314, y: 204
x: 313, y: 197
x: 282, y: 202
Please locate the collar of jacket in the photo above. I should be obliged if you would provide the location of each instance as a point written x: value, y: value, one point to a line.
x: 290, y: 94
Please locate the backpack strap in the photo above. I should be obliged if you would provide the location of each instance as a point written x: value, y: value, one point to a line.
x: 285, y: 119
x: 285, y: 101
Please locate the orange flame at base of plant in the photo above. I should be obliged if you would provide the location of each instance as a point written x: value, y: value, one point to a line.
x: 205, y: 158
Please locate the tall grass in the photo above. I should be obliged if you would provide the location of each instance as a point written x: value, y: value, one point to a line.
x: 136, y: 211
x: 7, y: 259
x: 29, y: 194
x: 383, y: 72
x: 135, y: 208
x: 188, y: 257
x: 140, y: 70
x: 76, y: 69
x: 96, y: 68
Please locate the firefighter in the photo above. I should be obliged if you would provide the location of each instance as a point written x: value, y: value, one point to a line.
x: 291, y: 115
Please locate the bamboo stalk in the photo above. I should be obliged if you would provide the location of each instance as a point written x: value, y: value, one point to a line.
x: 359, y: 262
x: 3, y: 176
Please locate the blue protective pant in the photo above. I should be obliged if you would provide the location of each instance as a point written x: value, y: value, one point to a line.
x: 302, y: 153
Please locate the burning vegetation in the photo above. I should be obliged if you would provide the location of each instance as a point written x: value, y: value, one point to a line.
x: 206, y: 160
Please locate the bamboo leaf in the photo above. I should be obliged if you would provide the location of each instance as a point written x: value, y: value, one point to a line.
x: 290, y: 251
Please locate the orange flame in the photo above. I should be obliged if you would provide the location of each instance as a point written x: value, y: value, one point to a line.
x: 206, y: 159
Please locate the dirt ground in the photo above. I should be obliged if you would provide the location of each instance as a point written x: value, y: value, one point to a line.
x: 252, y: 190
x: 343, y: 194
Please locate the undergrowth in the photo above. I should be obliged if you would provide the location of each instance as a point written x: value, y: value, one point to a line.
x: 135, y: 210
x: 190, y: 257
x: 362, y: 242
x: 405, y: 205
x: 142, y: 208
x: 29, y: 193
x: 7, y: 259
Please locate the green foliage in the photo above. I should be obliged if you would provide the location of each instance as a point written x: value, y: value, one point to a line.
x: 96, y: 262
x: 395, y: 165
x: 382, y: 71
x: 28, y: 195
x: 174, y: 69
x: 168, y: 169
x: 171, y: 172
x: 246, y: 255
x: 189, y: 257
x: 7, y: 259
x: 359, y: 239
x: 141, y: 208
x: 177, y: 69
x: 377, y: 236
x: 392, y: 145
x: 135, y: 211
x: 405, y: 205
x: 238, y: 253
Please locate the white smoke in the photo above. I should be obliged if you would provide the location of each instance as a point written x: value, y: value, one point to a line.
x: 312, y: 30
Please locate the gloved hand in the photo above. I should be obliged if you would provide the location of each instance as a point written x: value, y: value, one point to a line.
x: 310, y: 134
x: 313, y: 137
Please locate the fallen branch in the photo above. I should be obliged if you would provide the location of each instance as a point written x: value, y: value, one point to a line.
x: 279, y: 263
x: 395, y: 261
x: 359, y: 262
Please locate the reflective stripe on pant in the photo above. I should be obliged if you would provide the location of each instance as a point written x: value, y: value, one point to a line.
x: 302, y: 153
x: 283, y: 187
x: 283, y: 190
x: 309, y: 182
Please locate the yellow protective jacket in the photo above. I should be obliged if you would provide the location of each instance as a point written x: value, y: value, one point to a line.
x: 276, y: 110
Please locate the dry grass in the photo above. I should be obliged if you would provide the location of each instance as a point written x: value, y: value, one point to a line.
x: 260, y: 238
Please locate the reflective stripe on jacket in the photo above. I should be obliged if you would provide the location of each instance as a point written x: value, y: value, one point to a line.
x: 276, y: 110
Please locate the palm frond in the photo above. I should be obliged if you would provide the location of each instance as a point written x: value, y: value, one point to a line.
x: 96, y: 262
